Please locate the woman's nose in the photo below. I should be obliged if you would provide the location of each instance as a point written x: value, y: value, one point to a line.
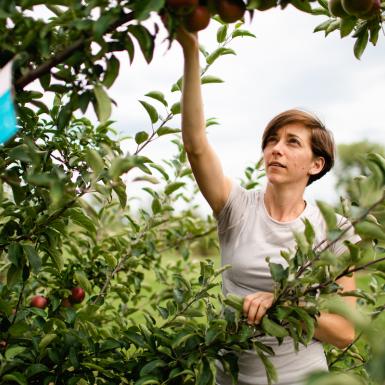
x: 277, y: 148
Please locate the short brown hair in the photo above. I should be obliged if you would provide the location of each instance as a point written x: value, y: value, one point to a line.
x: 321, y: 139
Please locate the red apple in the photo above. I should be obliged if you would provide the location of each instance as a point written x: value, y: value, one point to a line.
x: 39, y: 301
x: 231, y: 10
x: 335, y: 8
x: 77, y: 294
x: 357, y: 7
x: 198, y: 19
x: 66, y: 302
x: 374, y: 11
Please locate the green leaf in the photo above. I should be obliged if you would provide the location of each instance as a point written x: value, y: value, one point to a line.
x: 271, y: 373
x: 102, y: 24
x: 302, y: 5
x: 57, y: 258
x: 33, y: 257
x: 13, y: 351
x: 173, y: 187
x: 46, y: 340
x: 81, y: 219
x: 309, y: 231
x: 193, y: 313
x: 210, y: 79
x: 360, y: 44
x: 14, y: 275
x: 205, y: 375
x: 347, y: 25
x: 157, y: 95
x: 145, y: 40
x: 84, y: 100
x: 161, y: 170
x: 309, y: 324
x: 112, y: 71
x: 120, y: 191
x: 370, y: 230
x: 212, y: 334
x: 135, y: 338
x: 20, y: 152
x: 234, y: 301
x: 103, y: 103
x: 278, y: 273
x: 328, y: 214
x: 167, y: 130
x: 15, y: 254
x: 181, y: 338
x: 143, y: 8
x: 15, y: 377
x: 334, y: 25
x: 94, y: 160
x: 219, y: 52
x: 374, y: 32
x: 176, y: 108
x: 35, y: 369
x: 211, y: 122
x: 156, y: 206
x: 147, y: 380
x: 323, y: 26
x: 241, y: 33
x: 141, y: 137
x: 149, y: 367
x: 272, y: 328
x: 150, y: 110
x: 222, y: 33
x: 81, y: 278
x: 302, y: 242
x: 64, y: 117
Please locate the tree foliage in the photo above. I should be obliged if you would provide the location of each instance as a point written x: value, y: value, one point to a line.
x: 67, y: 221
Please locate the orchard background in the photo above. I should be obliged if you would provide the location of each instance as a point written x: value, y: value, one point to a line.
x: 152, y: 311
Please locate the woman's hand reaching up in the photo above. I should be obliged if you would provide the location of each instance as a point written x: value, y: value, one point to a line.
x: 188, y: 40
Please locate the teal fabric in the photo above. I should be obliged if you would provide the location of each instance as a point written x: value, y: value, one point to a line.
x: 8, y: 126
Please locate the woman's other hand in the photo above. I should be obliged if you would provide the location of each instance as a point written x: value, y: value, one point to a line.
x: 256, y: 305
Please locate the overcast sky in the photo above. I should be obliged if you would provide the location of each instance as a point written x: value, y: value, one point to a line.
x: 286, y: 66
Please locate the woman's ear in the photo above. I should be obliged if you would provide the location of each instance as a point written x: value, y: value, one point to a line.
x: 318, y: 165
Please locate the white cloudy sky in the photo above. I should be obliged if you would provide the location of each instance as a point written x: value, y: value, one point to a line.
x: 286, y: 66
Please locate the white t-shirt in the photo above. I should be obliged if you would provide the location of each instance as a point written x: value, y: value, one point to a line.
x: 247, y: 235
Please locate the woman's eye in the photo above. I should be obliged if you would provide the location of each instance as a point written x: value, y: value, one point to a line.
x: 294, y: 141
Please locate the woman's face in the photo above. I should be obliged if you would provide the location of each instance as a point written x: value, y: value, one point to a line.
x: 288, y: 156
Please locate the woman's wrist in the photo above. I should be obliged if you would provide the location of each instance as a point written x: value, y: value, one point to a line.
x: 190, y: 50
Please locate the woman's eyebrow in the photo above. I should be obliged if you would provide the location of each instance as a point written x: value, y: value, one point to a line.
x: 293, y: 136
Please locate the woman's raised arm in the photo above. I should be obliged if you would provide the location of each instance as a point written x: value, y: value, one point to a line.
x: 205, y: 164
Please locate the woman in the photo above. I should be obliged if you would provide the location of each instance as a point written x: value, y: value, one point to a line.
x: 297, y: 150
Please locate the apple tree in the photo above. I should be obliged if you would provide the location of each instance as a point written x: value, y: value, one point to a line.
x: 75, y: 307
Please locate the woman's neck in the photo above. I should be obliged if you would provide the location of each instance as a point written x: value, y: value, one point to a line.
x: 284, y: 203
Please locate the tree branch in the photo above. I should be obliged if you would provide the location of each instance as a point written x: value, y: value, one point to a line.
x: 65, y: 54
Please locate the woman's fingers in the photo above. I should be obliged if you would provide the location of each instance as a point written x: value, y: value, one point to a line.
x: 256, y: 305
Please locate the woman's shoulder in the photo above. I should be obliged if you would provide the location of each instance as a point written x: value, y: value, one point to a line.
x: 238, y: 204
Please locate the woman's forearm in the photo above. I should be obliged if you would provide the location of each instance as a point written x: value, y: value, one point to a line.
x: 193, y: 121
x: 335, y: 330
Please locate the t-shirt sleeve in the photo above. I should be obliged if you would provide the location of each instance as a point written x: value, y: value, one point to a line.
x: 234, y: 209
x: 339, y: 248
